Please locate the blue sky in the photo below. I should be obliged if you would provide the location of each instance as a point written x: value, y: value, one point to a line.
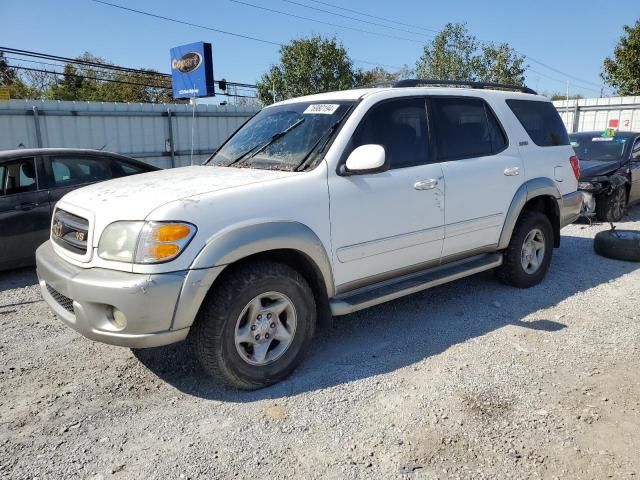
x: 566, y: 35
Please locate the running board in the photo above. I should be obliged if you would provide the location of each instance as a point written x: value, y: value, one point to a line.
x: 378, y: 293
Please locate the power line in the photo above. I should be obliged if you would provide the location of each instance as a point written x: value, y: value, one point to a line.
x: 560, y: 81
x: 293, y: 15
x: 18, y: 67
x: 558, y: 71
x: 110, y: 80
x: 354, y: 18
x: 576, y: 79
x: 373, y: 16
x: 182, y: 22
x: 104, y: 66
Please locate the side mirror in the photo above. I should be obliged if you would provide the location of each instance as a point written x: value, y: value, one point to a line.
x: 365, y: 159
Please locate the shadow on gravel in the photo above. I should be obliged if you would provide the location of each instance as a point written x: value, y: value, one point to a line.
x: 406, y: 331
x: 18, y: 278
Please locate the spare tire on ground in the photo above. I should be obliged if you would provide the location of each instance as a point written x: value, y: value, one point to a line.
x: 618, y: 244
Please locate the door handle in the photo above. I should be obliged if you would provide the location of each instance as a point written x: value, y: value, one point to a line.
x: 425, y: 184
x: 26, y: 206
x: 512, y: 171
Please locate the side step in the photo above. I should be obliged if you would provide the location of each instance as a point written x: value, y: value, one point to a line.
x: 378, y: 293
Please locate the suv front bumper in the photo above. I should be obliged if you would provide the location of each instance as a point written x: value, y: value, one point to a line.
x: 84, y: 298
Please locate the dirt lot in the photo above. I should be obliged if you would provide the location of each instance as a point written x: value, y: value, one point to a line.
x: 469, y: 380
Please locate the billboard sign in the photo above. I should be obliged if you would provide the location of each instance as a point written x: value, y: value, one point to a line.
x: 192, y: 70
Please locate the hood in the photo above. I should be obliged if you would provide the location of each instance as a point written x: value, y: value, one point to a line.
x: 135, y: 197
x: 595, y: 168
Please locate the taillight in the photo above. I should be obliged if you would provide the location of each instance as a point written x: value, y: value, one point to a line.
x: 575, y: 165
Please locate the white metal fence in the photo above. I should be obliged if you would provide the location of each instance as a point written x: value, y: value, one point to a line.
x: 157, y: 134
x: 587, y: 114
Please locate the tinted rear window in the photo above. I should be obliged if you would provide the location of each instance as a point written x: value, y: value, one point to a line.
x: 541, y: 121
x: 465, y: 128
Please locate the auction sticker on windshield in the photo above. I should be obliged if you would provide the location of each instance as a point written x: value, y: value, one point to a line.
x: 322, y: 108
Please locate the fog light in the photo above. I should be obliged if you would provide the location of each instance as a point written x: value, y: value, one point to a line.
x: 118, y: 318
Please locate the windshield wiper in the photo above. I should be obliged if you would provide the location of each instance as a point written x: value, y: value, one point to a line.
x: 252, y: 152
x: 323, y: 140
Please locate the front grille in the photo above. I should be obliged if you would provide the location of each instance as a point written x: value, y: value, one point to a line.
x: 70, y: 231
x: 65, y: 302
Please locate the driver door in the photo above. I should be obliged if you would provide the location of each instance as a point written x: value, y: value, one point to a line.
x: 388, y: 223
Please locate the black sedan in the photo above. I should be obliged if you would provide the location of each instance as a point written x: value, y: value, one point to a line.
x: 609, y: 172
x: 33, y: 180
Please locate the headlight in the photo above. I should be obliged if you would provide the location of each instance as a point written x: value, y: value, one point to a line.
x: 144, y: 242
x: 118, y: 241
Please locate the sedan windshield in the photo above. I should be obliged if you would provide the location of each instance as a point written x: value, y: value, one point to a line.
x: 284, y: 137
x: 598, y: 148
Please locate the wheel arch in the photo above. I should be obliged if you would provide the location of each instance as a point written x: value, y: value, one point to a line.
x: 290, y: 243
x: 538, y: 194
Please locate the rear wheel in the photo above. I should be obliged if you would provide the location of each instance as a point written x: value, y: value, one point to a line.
x: 527, y: 258
x: 610, y: 208
x: 255, y: 326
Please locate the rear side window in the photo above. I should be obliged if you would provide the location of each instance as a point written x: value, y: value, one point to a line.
x: 400, y: 126
x: 465, y: 128
x: 69, y: 171
x: 541, y: 121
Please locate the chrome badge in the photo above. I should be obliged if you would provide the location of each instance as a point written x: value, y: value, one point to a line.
x: 79, y: 236
x: 57, y: 229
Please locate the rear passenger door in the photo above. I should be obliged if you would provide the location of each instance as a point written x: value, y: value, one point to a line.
x: 24, y: 211
x: 482, y: 172
x: 69, y: 172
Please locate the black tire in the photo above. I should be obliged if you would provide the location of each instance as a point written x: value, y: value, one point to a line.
x: 618, y: 244
x: 214, y: 331
x: 512, y: 272
x: 610, y: 208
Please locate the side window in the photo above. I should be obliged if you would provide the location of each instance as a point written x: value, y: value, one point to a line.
x: 541, y: 121
x: 465, y: 128
x: 69, y: 171
x: 18, y: 176
x: 400, y: 126
x: 635, y: 151
x: 128, y: 168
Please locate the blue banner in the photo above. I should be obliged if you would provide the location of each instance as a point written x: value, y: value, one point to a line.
x: 192, y: 70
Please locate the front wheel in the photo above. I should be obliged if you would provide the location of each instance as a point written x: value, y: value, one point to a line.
x: 255, y: 326
x: 528, y: 256
x: 610, y: 208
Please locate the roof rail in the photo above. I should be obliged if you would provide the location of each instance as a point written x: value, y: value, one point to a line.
x: 417, y: 82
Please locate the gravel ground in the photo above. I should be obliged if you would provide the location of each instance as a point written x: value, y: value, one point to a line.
x: 468, y: 380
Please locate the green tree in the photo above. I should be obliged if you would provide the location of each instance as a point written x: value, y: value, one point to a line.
x: 500, y: 64
x: 622, y: 72
x: 455, y: 54
x: 308, y: 66
x: 91, y: 83
x: 379, y: 75
x: 451, y: 55
x: 10, y: 78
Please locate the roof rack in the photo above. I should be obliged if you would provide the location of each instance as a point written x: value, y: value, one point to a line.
x: 417, y: 82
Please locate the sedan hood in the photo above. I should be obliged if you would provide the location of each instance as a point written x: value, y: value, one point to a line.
x: 595, y: 168
x: 135, y: 197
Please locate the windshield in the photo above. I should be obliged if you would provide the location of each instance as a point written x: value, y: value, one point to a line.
x: 598, y: 148
x: 282, y: 137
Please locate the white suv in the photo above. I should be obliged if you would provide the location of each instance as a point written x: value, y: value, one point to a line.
x: 316, y: 207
